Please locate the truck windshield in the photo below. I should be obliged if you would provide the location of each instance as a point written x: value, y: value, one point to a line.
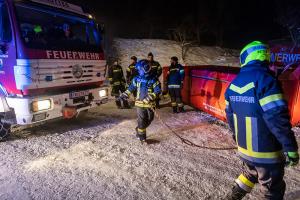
x: 49, y: 30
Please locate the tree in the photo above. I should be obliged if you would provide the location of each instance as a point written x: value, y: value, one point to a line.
x: 289, y: 17
x: 187, y: 34
x: 181, y: 36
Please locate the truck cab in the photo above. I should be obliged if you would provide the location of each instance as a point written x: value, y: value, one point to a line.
x: 51, y: 61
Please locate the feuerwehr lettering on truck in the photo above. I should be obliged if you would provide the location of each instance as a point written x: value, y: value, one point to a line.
x: 285, y: 57
x: 72, y: 55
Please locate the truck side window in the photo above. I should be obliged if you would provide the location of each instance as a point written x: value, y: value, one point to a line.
x: 5, y: 27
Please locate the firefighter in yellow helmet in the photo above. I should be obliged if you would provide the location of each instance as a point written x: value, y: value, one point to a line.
x: 258, y: 115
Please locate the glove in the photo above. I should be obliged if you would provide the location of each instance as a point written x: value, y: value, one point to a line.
x: 149, y: 98
x: 124, y: 96
x: 291, y: 158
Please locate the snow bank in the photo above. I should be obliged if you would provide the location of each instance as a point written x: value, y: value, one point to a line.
x: 164, y: 49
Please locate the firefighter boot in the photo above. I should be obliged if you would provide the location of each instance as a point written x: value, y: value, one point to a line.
x: 141, y: 134
x: 236, y: 193
x: 175, y: 109
x: 118, y: 103
x: 180, y: 109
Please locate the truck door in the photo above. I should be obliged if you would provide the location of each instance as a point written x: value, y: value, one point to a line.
x: 7, y: 49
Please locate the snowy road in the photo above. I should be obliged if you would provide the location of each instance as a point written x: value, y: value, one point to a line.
x: 97, y: 157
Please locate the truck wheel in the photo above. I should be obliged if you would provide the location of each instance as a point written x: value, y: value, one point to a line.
x: 4, y: 129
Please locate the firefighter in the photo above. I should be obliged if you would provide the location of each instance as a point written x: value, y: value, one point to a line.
x: 156, y: 71
x: 131, y: 71
x: 259, y: 117
x: 117, y: 81
x: 148, y: 89
x: 175, y: 81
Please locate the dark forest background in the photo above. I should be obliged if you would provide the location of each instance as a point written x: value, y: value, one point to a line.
x: 225, y: 23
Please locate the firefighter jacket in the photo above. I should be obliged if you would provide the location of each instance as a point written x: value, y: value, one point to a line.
x: 156, y: 69
x: 259, y: 116
x: 175, y: 76
x: 131, y: 72
x: 145, y: 87
x: 116, y: 76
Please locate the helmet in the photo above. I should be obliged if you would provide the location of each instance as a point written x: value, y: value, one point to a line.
x: 174, y: 58
x: 133, y: 58
x: 143, y: 68
x: 255, y: 51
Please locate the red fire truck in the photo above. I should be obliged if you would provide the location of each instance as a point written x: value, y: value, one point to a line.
x: 51, y: 62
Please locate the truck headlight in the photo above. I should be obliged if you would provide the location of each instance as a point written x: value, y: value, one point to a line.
x: 103, y: 93
x: 41, y: 105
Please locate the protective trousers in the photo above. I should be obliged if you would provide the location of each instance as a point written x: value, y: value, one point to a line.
x: 270, y: 177
x: 144, y: 118
x: 176, y: 99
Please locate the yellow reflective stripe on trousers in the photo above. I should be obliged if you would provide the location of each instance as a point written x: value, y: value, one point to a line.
x: 244, y: 180
x: 141, y: 130
x: 249, y: 134
x: 242, y: 90
x: 271, y: 98
x: 235, y: 127
x: 117, y: 70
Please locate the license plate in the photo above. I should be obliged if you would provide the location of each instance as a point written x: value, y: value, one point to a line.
x: 74, y: 95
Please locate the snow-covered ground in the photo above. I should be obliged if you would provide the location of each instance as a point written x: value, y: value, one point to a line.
x: 97, y: 157
x: 163, y: 50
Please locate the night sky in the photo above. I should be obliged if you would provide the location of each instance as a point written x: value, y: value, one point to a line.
x: 228, y: 23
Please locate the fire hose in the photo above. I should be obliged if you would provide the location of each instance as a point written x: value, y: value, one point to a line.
x: 186, y: 141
